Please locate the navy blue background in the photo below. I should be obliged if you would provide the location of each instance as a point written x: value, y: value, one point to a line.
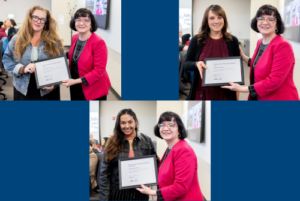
x: 150, y: 69
x: 44, y: 151
x: 255, y: 151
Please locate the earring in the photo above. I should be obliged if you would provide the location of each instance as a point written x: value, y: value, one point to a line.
x: 276, y: 31
x: 179, y: 136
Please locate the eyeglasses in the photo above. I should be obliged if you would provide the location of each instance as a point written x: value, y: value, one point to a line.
x: 269, y: 20
x: 85, y: 21
x: 169, y: 125
x: 36, y: 19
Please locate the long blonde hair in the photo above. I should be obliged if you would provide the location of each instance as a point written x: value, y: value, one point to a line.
x: 49, y: 35
x: 4, y: 26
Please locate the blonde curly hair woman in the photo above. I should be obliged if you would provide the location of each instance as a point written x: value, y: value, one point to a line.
x: 37, y: 39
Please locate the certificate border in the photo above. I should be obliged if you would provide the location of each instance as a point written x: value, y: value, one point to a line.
x: 139, y: 157
x: 225, y: 83
x: 54, y: 83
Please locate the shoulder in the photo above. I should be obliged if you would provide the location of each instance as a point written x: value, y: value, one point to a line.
x: 145, y: 137
x: 183, y: 149
x: 281, y: 43
x: 234, y: 39
x: 93, y: 155
x: 74, y: 37
x: 97, y: 40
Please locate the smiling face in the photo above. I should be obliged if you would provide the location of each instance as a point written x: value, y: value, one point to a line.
x: 127, y: 124
x: 38, y: 26
x: 215, y: 22
x: 84, y: 25
x: 169, y: 134
x: 267, y: 28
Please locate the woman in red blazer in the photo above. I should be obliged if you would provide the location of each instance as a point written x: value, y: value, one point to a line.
x: 87, y: 60
x: 177, y: 170
x: 272, y: 65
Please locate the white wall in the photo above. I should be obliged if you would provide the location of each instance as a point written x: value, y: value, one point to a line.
x: 112, y: 38
x: 202, y: 150
x: 19, y: 8
x: 144, y: 110
x: 62, y: 8
x: 237, y: 12
x: 95, y: 109
x: 296, y: 48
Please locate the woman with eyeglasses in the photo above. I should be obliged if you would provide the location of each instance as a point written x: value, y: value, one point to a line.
x: 272, y: 65
x: 126, y: 142
x: 87, y: 60
x: 177, y: 171
x: 37, y: 39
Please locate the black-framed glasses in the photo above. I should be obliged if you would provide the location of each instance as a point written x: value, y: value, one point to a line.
x: 168, y: 125
x: 36, y: 19
x: 86, y: 21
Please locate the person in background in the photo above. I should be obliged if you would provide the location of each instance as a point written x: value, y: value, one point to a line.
x: 37, y: 39
x: 2, y: 31
x: 103, y: 143
x: 87, y: 60
x: 126, y: 142
x: 178, y: 169
x: 14, y: 25
x: 212, y: 40
x: 272, y: 65
x: 180, y: 39
x: 92, y: 138
x: 95, y: 150
x: 93, y: 165
x: 9, y: 29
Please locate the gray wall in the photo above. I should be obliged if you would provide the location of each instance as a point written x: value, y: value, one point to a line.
x: 19, y: 8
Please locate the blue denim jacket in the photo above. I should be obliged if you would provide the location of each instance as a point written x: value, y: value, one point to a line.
x: 12, y: 65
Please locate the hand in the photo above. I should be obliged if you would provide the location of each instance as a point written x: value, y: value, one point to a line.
x: 244, y: 57
x: 30, y: 68
x: 146, y: 190
x: 70, y: 82
x: 49, y: 88
x: 200, y: 65
x: 185, y: 48
x: 236, y: 87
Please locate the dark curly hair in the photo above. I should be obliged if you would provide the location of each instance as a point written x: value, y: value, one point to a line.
x: 83, y: 12
x: 169, y: 116
x: 268, y: 10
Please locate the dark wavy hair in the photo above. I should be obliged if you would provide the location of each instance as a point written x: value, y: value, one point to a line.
x: 171, y: 116
x: 83, y: 12
x: 268, y: 10
x: 116, y: 142
x: 204, y: 31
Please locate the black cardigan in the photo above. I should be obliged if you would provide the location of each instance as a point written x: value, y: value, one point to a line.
x: 192, y: 57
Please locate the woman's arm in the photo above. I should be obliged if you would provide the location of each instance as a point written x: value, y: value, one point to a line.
x: 105, y: 178
x: 185, y: 166
x: 282, y: 63
x: 100, y: 61
x: 189, y: 61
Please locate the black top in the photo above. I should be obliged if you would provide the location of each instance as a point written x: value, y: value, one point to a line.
x: 74, y: 63
x: 260, y: 52
x: 192, y: 57
x: 109, y: 171
x: 11, y: 31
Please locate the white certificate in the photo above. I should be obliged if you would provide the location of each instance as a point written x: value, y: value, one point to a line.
x: 136, y: 171
x: 220, y: 71
x: 51, y: 71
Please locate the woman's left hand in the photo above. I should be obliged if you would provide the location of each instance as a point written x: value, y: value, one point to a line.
x: 70, y: 82
x: 236, y: 87
x: 146, y: 190
x: 49, y: 88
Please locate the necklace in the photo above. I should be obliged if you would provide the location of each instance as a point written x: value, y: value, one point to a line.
x: 81, y: 49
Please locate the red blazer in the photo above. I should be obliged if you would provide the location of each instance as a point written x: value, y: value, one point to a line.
x: 92, y: 65
x: 2, y: 33
x: 274, y: 71
x: 177, y: 176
